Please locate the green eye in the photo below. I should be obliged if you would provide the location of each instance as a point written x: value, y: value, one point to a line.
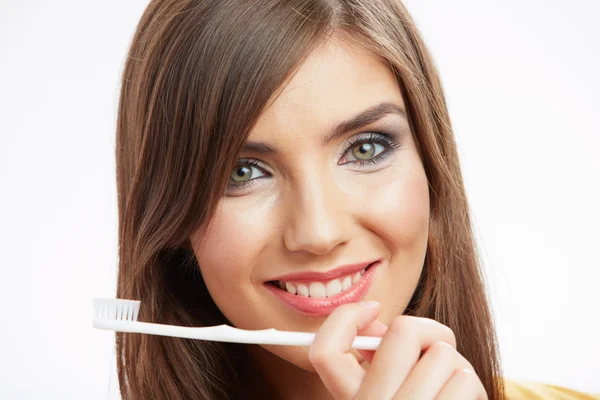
x: 244, y: 173
x: 364, y: 151
x: 368, y: 149
x: 241, y: 174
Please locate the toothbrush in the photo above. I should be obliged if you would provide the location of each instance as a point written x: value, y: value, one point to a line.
x: 121, y: 315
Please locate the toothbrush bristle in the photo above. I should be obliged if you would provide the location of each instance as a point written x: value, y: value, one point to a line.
x: 116, y: 309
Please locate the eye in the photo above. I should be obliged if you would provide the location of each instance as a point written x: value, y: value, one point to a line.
x: 368, y: 148
x: 366, y: 151
x: 244, y: 172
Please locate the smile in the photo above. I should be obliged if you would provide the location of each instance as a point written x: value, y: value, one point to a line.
x: 319, y: 297
x: 321, y: 290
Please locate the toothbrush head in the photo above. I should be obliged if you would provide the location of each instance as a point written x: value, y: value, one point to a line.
x: 116, y: 309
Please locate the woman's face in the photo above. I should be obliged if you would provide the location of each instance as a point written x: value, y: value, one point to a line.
x: 313, y: 193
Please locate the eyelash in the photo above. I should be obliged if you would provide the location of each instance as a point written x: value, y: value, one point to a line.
x: 381, y: 138
x: 247, y: 162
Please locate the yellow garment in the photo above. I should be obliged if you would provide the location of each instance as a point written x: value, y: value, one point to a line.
x: 539, y: 391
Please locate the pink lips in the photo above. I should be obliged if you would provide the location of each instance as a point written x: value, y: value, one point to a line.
x: 308, y: 276
x: 318, y: 307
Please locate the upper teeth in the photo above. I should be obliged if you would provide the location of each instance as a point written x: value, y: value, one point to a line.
x: 320, y: 289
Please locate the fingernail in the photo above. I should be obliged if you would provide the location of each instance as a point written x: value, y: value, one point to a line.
x: 370, y: 304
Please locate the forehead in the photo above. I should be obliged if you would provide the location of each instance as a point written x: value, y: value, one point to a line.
x: 338, y: 80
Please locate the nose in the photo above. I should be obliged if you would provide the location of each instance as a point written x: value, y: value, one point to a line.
x: 317, y: 218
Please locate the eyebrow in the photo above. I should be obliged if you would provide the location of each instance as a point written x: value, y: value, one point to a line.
x: 366, y: 117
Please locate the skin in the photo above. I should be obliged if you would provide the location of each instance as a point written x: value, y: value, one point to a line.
x: 313, y: 207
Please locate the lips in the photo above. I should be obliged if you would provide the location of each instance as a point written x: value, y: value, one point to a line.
x: 308, y: 276
x: 300, y: 297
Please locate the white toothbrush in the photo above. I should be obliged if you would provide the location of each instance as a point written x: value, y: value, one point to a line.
x: 121, y: 316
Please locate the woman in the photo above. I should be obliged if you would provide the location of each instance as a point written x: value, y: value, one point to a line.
x: 291, y: 165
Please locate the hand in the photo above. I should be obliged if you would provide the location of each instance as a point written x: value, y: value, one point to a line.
x: 417, y: 358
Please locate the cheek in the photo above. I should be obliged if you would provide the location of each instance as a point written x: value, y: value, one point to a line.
x: 228, y: 251
x: 231, y: 243
x: 406, y: 202
x: 398, y: 217
x: 221, y: 249
x: 397, y: 204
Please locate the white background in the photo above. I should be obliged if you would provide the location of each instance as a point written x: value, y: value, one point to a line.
x: 523, y: 88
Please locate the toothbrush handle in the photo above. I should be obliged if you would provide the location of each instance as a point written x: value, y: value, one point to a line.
x: 225, y: 333
x: 289, y: 338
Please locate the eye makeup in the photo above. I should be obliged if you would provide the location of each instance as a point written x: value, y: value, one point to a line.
x: 257, y: 171
x: 387, y: 141
x: 252, y: 165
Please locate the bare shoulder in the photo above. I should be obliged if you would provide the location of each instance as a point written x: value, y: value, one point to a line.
x: 517, y: 390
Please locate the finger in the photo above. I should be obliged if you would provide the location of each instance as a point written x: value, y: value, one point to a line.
x: 399, y: 351
x: 464, y: 384
x: 376, y: 329
x: 330, y: 353
x: 432, y: 372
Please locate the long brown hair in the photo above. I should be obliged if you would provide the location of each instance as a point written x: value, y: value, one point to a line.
x: 198, y: 75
